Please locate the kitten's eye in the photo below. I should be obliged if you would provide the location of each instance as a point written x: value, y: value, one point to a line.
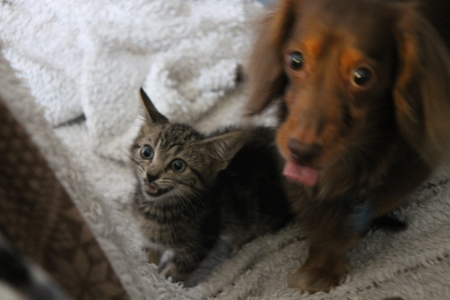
x: 295, y: 60
x: 147, y: 152
x: 363, y: 77
x: 178, y: 165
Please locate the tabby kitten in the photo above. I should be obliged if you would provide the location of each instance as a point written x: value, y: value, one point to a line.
x: 193, y: 188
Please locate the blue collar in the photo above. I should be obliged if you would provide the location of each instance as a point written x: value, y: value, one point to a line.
x: 360, y: 214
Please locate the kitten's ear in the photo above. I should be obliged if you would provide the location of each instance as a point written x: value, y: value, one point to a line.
x: 152, y: 114
x: 224, y: 147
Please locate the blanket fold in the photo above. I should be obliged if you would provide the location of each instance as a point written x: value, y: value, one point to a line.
x: 90, y: 58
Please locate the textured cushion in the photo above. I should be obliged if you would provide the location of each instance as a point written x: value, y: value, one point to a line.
x: 39, y: 217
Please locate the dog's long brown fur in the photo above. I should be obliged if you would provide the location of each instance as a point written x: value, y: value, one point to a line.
x: 382, y: 136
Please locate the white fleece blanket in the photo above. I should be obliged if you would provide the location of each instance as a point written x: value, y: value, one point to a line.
x: 89, y: 58
x: 72, y: 71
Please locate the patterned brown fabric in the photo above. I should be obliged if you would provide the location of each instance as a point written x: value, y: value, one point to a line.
x: 38, y: 216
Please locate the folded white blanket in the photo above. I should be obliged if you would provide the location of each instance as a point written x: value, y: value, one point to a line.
x: 91, y: 57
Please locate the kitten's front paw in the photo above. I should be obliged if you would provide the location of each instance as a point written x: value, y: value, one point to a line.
x: 169, y: 269
x: 166, y: 269
x: 315, y: 280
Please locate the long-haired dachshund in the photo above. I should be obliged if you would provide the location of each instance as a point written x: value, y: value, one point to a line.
x: 365, y: 113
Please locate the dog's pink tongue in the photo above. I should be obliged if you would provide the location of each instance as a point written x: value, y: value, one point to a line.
x: 303, y: 175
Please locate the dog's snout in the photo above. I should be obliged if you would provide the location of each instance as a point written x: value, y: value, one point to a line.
x: 303, y: 153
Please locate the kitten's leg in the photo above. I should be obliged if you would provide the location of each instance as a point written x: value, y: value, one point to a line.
x: 240, y: 240
x: 167, y: 269
x: 183, y: 263
x: 165, y: 261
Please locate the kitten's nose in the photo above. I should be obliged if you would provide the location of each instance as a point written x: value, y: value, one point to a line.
x: 151, y: 177
x: 303, y: 154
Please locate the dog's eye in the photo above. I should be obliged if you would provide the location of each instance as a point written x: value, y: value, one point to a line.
x: 296, y: 60
x: 147, y: 152
x: 362, y: 77
x: 178, y: 165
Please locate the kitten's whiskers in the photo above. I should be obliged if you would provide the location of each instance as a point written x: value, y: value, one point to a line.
x: 180, y: 192
x: 184, y: 201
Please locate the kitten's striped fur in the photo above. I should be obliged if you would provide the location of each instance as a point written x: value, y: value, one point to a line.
x: 192, y: 188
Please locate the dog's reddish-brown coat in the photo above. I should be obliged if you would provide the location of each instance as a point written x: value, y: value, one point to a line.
x: 384, y: 138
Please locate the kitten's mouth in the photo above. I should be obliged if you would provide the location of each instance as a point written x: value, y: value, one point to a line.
x: 155, y: 191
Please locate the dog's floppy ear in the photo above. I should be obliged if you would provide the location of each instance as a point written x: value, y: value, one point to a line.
x: 422, y: 88
x: 267, y: 80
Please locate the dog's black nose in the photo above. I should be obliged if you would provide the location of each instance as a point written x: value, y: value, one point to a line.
x: 303, y: 154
